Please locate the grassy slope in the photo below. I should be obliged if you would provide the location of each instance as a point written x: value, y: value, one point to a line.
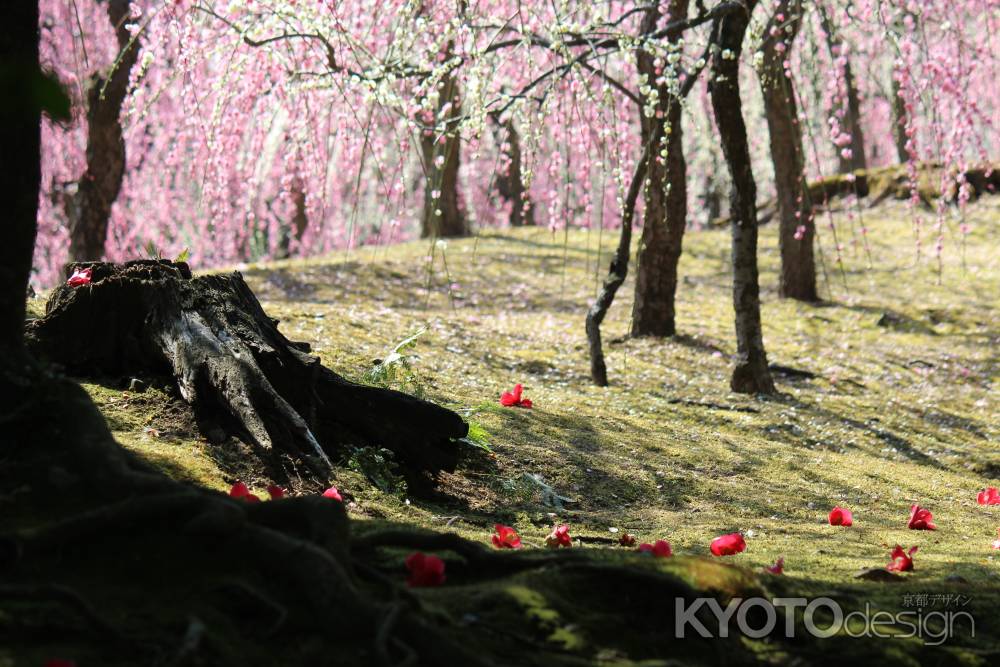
x: 899, y: 414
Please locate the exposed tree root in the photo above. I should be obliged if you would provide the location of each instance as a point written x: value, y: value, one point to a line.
x: 235, y: 368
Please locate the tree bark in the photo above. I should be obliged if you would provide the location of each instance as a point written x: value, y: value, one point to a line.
x: 852, y: 115
x: 899, y: 123
x: 235, y: 368
x: 797, y: 229
x: 20, y: 150
x: 751, y: 374
x: 510, y: 182
x: 665, y: 198
x: 442, y: 215
x: 88, y: 209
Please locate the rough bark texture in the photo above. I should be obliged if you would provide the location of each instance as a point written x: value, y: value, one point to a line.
x: 510, y: 183
x: 234, y: 367
x: 798, y: 265
x: 665, y: 201
x: 899, y: 123
x: 20, y: 146
x: 618, y: 270
x: 852, y: 115
x: 88, y: 208
x: 751, y: 374
x: 443, y: 179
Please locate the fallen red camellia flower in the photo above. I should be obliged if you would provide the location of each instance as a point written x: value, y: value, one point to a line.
x: 506, y: 537
x: 79, y: 277
x: 777, y: 568
x: 627, y: 540
x: 276, y: 492
x: 920, y: 519
x: 332, y: 492
x: 728, y: 545
x: 559, y: 537
x: 514, y: 400
x: 989, y: 497
x: 241, y: 491
x: 424, y: 570
x: 902, y: 561
x: 841, y: 517
x: 661, y: 549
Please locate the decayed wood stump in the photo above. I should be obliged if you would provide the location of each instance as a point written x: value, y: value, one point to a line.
x: 233, y: 366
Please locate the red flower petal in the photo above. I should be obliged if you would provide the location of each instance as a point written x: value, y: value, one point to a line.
x: 559, y: 537
x: 276, y: 492
x: 920, y: 519
x: 777, y: 568
x: 239, y: 490
x: 840, y: 516
x: 506, y: 537
x: 627, y: 540
x: 902, y: 561
x: 513, y: 399
x: 989, y: 497
x: 332, y: 492
x: 424, y: 570
x: 728, y: 545
x: 79, y: 277
x: 661, y: 549
x: 526, y: 403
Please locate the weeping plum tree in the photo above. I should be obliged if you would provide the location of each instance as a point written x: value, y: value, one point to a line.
x: 751, y: 374
x: 88, y: 203
x: 665, y: 194
x: 442, y: 153
x: 847, y: 131
x: 797, y: 230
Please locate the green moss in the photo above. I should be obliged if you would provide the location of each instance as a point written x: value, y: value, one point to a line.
x: 900, y: 412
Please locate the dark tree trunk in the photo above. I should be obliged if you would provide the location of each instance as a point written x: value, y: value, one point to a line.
x: 852, y: 115
x: 234, y: 367
x: 20, y: 149
x: 89, y: 207
x: 751, y: 374
x: 665, y: 200
x: 510, y: 183
x: 798, y: 265
x: 899, y: 123
x: 443, y: 216
x: 300, y: 220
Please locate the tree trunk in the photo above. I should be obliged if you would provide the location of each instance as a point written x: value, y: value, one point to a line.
x: 899, y: 123
x: 442, y: 215
x: 88, y: 209
x: 852, y: 115
x: 665, y: 199
x: 510, y: 182
x: 751, y: 374
x: 20, y: 150
x: 234, y: 367
x: 797, y: 229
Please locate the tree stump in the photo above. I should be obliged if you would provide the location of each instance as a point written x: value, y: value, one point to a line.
x: 234, y: 367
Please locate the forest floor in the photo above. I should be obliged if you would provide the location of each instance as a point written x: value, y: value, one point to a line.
x: 902, y: 408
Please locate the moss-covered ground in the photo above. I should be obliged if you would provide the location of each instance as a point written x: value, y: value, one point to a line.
x: 902, y: 407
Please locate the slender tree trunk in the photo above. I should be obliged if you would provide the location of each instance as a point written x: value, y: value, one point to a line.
x: 300, y: 220
x: 899, y: 123
x: 665, y: 200
x: 852, y: 116
x: 510, y: 183
x: 796, y: 227
x: 751, y: 374
x: 443, y: 216
x: 20, y: 149
x: 89, y: 207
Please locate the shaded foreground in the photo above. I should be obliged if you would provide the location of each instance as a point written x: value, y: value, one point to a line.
x: 898, y: 409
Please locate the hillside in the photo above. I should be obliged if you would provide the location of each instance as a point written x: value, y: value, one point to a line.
x: 897, y: 403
